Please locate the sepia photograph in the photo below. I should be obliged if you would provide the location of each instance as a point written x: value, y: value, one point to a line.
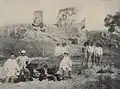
x: 59, y: 44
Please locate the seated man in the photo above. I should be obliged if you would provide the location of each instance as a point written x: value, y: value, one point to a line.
x: 66, y: 65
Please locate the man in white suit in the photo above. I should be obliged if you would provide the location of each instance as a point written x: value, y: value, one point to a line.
x: 11, y: 68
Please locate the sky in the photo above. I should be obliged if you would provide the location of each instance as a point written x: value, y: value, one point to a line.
x: 21, y: 11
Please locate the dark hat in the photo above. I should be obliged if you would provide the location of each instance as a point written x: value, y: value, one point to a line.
x: 11, y: 53
x: 57, y: 43
x: 63, y: 43
x: 66, y: 53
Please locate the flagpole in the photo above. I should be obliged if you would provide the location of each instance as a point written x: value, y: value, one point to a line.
x: 43, y: 47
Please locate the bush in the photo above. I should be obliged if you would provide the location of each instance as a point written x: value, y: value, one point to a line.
x: 33, y: 48
x: 103, y: 82
x: 9, y: 45
x: 40, y: 48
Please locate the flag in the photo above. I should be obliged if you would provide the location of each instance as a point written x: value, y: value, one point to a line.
x: 82, y: 24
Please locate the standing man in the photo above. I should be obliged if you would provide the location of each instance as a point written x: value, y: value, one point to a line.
x: 58, y: 49
x: 11, y: 67
x: 91, y: 49
x: 58, y: 54
x: 64, y: 48
x: 85, y: 54
x: 23, y: 60
x: 98, y: 54
x: 66, y: 65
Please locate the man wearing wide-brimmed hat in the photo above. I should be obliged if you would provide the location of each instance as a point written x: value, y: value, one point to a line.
x: 23, y: 60
x: 66, y: 65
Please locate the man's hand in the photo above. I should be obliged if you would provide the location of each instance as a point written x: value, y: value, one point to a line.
x: 17, y: 70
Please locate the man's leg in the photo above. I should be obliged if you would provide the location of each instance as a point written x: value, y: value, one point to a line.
x: 20, y: 77
x: 63, y: 73
x: 69, y: 74
x: 12, y: 79
x: 88, y: 59
x: 6, y: 82
x: 101, y: 61
x: 92, y: 59
x: 84, y: 60
x: 7, y: 79
x: 98, y: 60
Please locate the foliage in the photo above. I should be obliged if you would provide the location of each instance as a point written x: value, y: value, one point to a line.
x: 33, y: 48
x: 113, y: 22
x: 9, y: 45
x: 66, y: 17
x: 103, y: 82
x: 16, y: 31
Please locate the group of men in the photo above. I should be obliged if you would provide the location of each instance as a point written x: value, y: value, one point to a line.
x: 17, y: 66
x: 92, y: 54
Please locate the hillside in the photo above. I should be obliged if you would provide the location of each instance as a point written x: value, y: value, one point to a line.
x: 52, y: 34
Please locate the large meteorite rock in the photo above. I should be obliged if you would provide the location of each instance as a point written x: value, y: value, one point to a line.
x: 41, y: 64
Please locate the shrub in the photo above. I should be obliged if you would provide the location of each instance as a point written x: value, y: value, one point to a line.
x: 33, y: 48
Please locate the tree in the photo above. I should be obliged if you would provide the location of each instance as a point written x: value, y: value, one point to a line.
x: 66, y: 17
x: 20, y: 34
x: 113, y: 22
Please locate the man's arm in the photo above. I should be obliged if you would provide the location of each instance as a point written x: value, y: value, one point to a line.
x: 5, y: 65
x: 28, y: 59
x: 82, y: 49
x: 17, y: 67
x: 17, y: 59
x: 101, y: 51
x: 70, y: 62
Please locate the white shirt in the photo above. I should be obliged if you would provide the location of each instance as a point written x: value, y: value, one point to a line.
x: 58, y: 50
x: 11, y: 67
x: 22, y: 61
x: 65, y: 50
x: 98, y: 51
x: 66, y: 64
x: 91, y: 49
x: 85, y: 49
x: 11, y: 64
